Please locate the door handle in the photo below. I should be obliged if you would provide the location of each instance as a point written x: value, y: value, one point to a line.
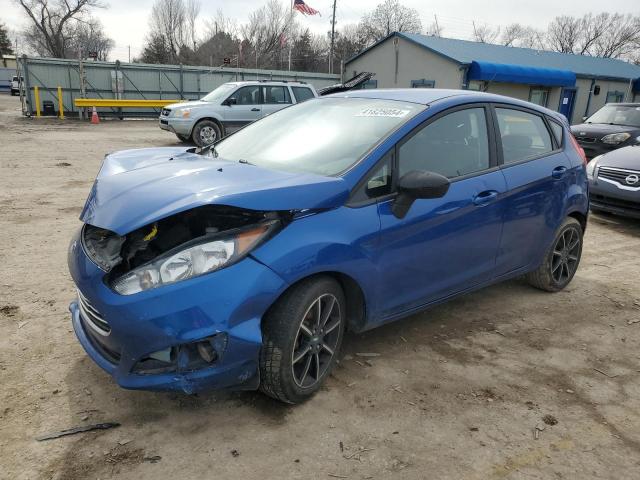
x: 255, y: 109
x: 558, y: 172
x: 484, y: 198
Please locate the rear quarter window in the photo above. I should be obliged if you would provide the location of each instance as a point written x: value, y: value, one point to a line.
x: 558, y: 131
x: 302, y: 94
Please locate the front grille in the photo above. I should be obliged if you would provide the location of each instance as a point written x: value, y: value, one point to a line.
x: 166, y: 112
x: 92, y: 317
x: 164, y: 122
x: 617, y: 175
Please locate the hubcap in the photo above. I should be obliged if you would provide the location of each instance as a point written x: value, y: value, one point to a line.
x: 316, y: 340
x: 207, y: 135
x: 565, y: 255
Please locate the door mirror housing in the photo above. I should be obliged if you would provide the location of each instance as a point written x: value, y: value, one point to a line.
x: 418, y: 184
x: 230, y: 101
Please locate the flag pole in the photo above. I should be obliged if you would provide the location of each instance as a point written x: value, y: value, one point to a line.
x: 289, y: 39
x: 333, y: 33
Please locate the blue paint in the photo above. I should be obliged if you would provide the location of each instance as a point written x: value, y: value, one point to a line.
x: 487, y: 228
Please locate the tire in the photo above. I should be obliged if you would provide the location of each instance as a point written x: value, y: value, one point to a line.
x: 183, y: 138
x: 291, y: 328
x: 561, y: 260
x: 205, y: 132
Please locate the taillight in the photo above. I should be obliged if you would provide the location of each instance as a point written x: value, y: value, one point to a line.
x: 578, y: 149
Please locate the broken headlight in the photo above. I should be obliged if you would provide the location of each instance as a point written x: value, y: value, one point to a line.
x: 204, y: 255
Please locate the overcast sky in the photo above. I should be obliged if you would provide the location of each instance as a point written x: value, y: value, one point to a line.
x: 126, y: 21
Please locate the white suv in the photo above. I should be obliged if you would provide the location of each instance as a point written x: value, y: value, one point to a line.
x: 230, y: 107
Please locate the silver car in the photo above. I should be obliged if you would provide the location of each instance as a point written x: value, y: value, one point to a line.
x: 230, y: 107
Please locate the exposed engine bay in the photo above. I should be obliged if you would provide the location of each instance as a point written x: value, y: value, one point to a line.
x: 118, y: 255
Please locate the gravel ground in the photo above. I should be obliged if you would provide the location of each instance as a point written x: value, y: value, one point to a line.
x: 456, y: 392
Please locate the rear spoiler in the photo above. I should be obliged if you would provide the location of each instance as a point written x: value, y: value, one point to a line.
x: 350, y: 84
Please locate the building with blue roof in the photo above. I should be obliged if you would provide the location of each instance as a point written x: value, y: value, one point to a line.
x: 574, y: 85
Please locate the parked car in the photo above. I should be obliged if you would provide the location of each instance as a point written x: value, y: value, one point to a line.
x: 241, y: 266
x: 614, y: 126
x: 230, y: 107
x: 614, y: 182
x: 16, y: 85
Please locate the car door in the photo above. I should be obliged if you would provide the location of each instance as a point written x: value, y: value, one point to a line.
x: 537, y: 172
x: 445, y: 245
x: 242, y: 107
x: 275, y: 97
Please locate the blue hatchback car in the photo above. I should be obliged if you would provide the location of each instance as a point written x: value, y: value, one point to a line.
x: 242, y: 265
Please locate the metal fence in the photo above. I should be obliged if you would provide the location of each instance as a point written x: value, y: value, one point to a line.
x: 115, y: 80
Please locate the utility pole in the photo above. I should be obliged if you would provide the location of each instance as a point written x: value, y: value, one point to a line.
x: 333, y: 35
x: 129, y: 53
x: 437, y: 25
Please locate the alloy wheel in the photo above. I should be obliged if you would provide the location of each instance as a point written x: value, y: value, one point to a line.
x: 565, y: 257
x: 207, y: 135
x: 316, y: 340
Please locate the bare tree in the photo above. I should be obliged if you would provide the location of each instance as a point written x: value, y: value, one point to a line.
x: 564, y: 34
x: 89, y: 36
x: 192, y: 11
x: 485, y: 33
x: 389, y: 16
x: 169, y: 21
x: 52, y: 23
x: 619, y: 36
x: 265, y: 31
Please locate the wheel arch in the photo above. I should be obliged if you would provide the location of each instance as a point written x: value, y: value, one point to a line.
x: 581, y: 217
x: 354, y: 297
x: 216, y: 120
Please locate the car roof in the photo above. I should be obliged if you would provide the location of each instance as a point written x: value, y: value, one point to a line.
x: 270, y: 82
x: 427, y: 96
x: 624, y: 104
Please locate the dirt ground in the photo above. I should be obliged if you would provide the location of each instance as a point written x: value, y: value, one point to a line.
x: 456, y: 393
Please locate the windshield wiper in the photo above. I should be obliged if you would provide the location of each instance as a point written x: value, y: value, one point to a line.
x: 246, y: 162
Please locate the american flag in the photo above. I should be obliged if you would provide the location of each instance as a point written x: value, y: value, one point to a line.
x: 304, y: 9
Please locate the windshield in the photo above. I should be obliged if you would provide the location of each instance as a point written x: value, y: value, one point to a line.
x: 617, y: 115
x: 219, y: 94
x: 324, y: 136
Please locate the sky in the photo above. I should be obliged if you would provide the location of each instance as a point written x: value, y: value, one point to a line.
x: 126, y: 21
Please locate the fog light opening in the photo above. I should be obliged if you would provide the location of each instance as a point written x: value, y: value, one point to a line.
x: 206, y: 351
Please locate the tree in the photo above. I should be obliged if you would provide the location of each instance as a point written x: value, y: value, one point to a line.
x: 53, y: 22
x: 156, y: 50
x: 89, y: 36
x: 265, y: 31
x: 485, y: 33
x: 5, y: 42
x: 389, y: 16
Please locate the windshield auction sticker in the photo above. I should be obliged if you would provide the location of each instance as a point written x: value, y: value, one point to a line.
x: 382, y: 112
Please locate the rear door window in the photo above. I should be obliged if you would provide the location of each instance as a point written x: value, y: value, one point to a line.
x: 302, y: 94
x: 454, y: 145
x: 524, y: 135
x: 276, y: 95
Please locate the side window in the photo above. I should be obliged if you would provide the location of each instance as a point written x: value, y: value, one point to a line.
x: 557, y: 130
x: 524, y: 135
x: 276, y: 95
x: 377, y: 184
x: 302, y: 94
x: 615, y: 97
x: 249, y: 95
x: 423, y: 83
x: 454, y: 145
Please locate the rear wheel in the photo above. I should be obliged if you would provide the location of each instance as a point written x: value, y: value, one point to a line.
x: 205, y: 133
x: 562, y: 260
x: 302, y: 335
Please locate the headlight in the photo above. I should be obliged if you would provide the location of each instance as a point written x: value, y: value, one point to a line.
x: 203, y: 255
x: 616, y: 138
x: 591, y: 166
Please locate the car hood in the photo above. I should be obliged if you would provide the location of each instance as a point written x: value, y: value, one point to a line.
x: 599, y: 130
x: 627, y: 158
x: 196, y: 103
x: 137, y: 187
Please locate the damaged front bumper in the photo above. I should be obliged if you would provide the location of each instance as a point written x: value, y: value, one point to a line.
x: 229, y: 303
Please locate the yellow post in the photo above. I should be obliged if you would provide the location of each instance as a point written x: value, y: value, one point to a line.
x: 36, y: 98
x: 60, y: 104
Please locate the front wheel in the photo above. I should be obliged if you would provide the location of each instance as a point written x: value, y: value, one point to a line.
x: 205, y: 133
x: 301, y: 338
x: 183, y: 138
x: 562, y: 260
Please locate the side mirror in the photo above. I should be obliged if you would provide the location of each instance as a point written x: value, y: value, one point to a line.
x: 230, y: 101
x: 418, y: 184
x: 584, y: 119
